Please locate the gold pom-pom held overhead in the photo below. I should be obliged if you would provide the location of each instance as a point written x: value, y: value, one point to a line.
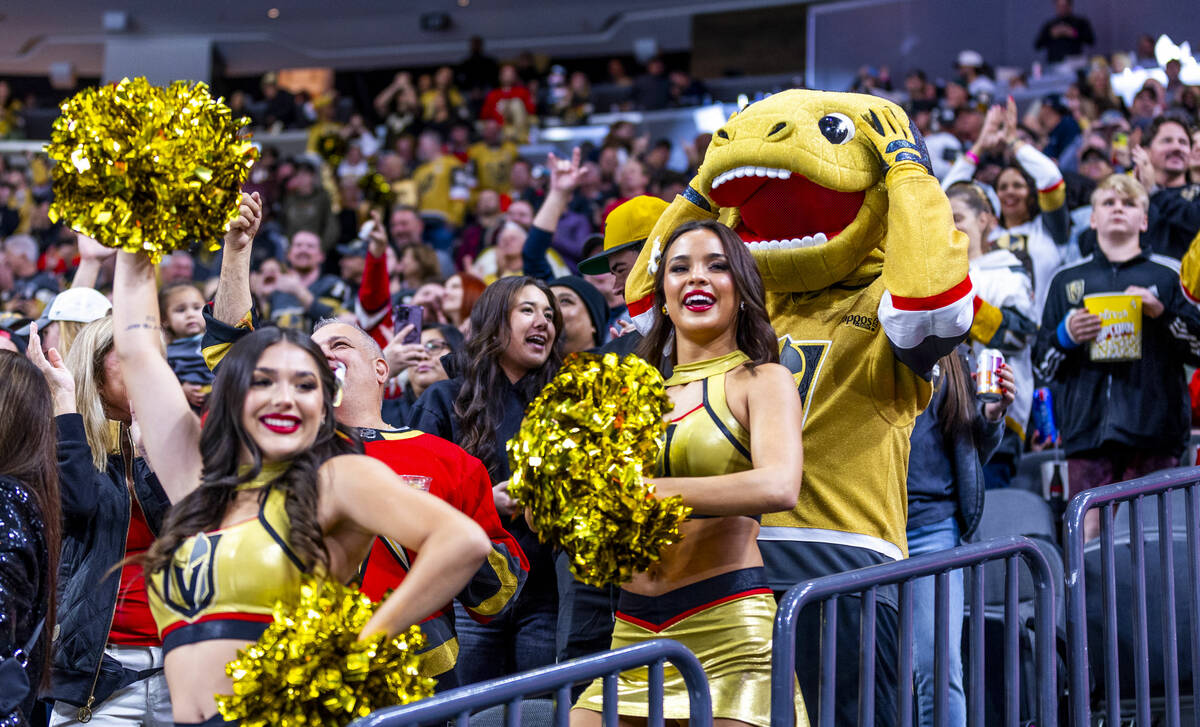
x: 309, y: 668
x: 579, y: 462
x: 146, y: 168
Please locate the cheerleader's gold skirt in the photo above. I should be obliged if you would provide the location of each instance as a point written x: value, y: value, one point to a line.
x: 726, y: 622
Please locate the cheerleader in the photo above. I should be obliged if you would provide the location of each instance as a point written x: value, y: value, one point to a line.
x: 708, y: 591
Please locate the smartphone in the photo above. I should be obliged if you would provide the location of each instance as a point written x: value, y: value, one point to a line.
x: 1120, y: 140
x: 404, y: 315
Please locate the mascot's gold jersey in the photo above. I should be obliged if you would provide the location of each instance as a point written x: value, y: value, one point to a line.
x: 867, y: 287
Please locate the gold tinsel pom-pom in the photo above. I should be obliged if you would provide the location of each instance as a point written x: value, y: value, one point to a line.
x: 332, y: 147
x: 579, y: 460
x: 309, y: 668
x: 142, y: 167
x: 377, y: 191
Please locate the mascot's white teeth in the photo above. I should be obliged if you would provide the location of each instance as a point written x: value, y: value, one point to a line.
x: 792, y: 244
x: 767, y: 172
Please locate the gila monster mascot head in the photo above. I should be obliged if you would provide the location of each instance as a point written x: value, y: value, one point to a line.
x: 800, y: 181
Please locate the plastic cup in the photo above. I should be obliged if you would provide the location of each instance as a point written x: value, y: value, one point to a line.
x: 1120, y: 337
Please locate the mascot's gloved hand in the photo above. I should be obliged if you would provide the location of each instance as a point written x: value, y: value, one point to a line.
x: 1005, y: 328
x: 895, y: 139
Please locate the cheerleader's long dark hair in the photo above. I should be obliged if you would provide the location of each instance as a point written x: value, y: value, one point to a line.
x: 222, y: 439
x: 28, y: 455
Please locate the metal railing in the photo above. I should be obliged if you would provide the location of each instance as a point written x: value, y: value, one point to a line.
x: 1159, y: 486
x: 458, y: 704
x: 867, y: 582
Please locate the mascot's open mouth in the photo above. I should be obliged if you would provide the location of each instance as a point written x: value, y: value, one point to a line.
x: 784, y: 208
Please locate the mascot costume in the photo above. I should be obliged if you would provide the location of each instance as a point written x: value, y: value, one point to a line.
x: 867, y: 288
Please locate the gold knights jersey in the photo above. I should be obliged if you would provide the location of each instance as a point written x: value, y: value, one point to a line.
x: 435, y: 180
x: 859, y: 402
x: 493, y: 164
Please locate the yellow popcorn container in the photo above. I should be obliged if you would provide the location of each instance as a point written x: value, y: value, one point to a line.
x: 1120, y: 336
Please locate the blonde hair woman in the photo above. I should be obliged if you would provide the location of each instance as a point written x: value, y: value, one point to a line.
x: 107, y: 656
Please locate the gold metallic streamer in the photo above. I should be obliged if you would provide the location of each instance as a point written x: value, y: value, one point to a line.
x: 309, y: 668
x: 377, y: 191
x: 579, y: 462
x: 147, y: 168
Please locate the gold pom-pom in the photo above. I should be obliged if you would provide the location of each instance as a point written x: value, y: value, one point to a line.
x: 309, y: 668
x: 579, y: 460
x: 377, y: 191
x: 142, y: 167
x: 332, y: 147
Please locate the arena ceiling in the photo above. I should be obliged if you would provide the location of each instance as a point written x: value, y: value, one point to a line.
x: 349, y: 34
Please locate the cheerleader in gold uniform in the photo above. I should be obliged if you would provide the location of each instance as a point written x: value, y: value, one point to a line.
x: 708, y: 591
x: 267, y: 490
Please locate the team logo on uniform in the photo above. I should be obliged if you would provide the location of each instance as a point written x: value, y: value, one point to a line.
x: 189, y: 588
x: 1075, y: 291
x: 804, y: 360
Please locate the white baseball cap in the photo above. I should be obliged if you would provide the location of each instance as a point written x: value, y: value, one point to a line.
x: 82, y: 305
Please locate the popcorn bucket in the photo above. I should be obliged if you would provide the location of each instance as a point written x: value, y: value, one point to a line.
x: 1120, y: 336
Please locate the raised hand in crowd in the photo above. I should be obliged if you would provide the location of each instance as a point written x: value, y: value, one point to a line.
x: 401, y: 356
x: 377, y: 242
x: 58, y: 377
x: 1143, y: 169
x: 564, y: 173
x: 565, y: 176
x: 991, y: 136
x: 1011, y: 123
x: 245, y: 226
x: 233, y: 299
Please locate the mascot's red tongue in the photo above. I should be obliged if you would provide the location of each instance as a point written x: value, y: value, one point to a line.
x: 783, y: 209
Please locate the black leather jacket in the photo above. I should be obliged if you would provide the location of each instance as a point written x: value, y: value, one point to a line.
x: 24, y: 588
x: 96, y: 511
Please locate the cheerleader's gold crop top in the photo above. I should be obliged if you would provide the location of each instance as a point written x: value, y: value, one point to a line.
x: 223, y: 584
x: 707, y: 440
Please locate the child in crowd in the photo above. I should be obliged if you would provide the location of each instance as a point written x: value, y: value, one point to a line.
x: 181, y: 306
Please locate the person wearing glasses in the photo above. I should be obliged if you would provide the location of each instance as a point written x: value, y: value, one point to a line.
x: 424, y: 366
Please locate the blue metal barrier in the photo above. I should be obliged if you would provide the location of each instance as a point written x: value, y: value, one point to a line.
x: 867, y: 581
x: 458, y: 704
x: 1158, y: 486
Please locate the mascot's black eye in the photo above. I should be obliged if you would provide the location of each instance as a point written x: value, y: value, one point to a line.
x: 837, y: 128
x: 721, y: 133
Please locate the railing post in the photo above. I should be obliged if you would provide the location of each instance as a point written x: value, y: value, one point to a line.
x: 828, y: 589
x: 557, y: 679
x: 1135, y: 614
